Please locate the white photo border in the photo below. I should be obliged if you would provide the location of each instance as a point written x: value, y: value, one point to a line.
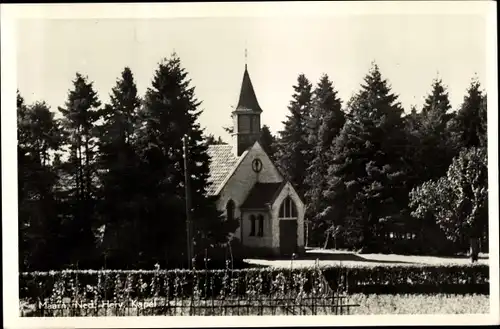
x: 11, y: 12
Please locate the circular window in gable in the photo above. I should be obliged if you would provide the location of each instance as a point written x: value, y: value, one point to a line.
x: 256, y: 165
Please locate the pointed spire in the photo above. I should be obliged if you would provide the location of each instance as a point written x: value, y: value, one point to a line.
x: 247, y: 100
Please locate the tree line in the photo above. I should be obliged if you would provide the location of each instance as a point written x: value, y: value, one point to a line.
x: 102, y: 185
x: 377, y: 179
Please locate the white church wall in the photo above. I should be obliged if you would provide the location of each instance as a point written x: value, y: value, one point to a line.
x: 244, y: 178
x: 265, y: 241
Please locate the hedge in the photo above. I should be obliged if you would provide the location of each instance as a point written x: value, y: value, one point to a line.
x: 415, y: 279
x: 109, y: 284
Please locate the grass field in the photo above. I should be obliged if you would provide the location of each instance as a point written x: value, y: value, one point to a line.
x: 419, y: 304
x: 352, y: 259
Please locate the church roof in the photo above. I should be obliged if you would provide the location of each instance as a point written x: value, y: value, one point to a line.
x: 262, y: 194
x: 247, y: 100
x: 222, y: 163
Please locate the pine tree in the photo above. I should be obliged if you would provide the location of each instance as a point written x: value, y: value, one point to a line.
x: 467, y: 127
x: 212, y: 140
x: 80, y: 115
x: 293, y: 148
x: 434, y: 150
x: 120, y: 177
x: 267, y: 141
x: 327, y: 119
x: 170, y: 112
x: 366, y: 175
x: 38, y: 136
x: 413, y: 120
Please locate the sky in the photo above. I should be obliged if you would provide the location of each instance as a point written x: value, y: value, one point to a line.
x: 411, y: 51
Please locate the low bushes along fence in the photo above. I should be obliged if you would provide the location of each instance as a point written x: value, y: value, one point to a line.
x: 179, y: 292
x: 414, y: 279
x: 210, y: 283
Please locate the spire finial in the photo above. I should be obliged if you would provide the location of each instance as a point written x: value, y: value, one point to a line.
x: 246, y: 55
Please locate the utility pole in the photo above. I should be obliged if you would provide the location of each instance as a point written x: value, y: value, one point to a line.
x: 187, y: 189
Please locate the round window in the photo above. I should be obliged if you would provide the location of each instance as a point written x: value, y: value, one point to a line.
x: 257, y: 165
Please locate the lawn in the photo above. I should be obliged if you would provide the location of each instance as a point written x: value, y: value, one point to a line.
x: 419, y: 304
x: 352, y: 259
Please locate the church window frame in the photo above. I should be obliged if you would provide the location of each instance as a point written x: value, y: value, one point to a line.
x: 288, y: 209
x: 230, y: 210
x: 253, y: 221
x: 260, y: 221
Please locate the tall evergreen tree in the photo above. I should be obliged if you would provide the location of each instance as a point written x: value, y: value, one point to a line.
x: 366, y: 175
x: 293, y: 148
x: 80, y: 114
x: 119, y: 163
x: 434, y: 151
x: 39, y: 135
x: 170, y: 112
x: 268, y: 141
x: 430, y: 151
x: 467, y: 126
x: 327, y: 119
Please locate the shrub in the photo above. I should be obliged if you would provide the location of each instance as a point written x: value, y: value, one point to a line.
x: 109, y: 284
x: 413, y: 279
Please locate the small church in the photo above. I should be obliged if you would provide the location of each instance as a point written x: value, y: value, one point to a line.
x: 250, y: 188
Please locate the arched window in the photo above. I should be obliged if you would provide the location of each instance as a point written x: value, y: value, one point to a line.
x: 230, y: 210
x: 252, y: 225
x: 260, y: 219
x: 288, y: 209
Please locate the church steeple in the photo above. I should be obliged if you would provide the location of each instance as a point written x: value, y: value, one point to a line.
x: 248, y: 99
x: 246, y: 116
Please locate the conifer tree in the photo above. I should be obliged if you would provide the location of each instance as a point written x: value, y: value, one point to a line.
x: 211, y: 140
x: 467, y: 126
x: 169, y: 113
x: 434, y: 150
x: 327, y: 119
x: 39, y: 136
x: 413, y: 120
x: 293, y: 148
x: 366, y: 175
x: 80, y: 115
x: 267, y: 141
x: 120, y: 177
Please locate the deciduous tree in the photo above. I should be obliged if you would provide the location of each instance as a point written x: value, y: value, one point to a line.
x: 458, y: 202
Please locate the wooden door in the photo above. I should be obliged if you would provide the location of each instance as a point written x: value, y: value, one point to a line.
x: 288, y: 237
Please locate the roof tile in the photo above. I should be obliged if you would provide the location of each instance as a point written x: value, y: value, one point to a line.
x: 222, y: 162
